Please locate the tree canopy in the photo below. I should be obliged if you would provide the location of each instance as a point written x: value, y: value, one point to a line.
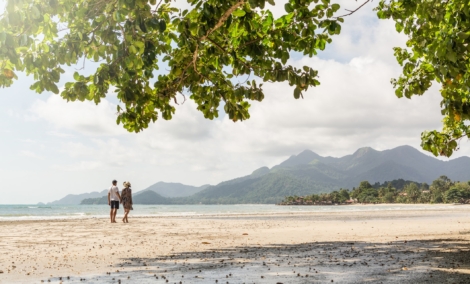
x: 437, y: 50
x: 220, y: 52
x: 201, y: 49
x: 442, y: 190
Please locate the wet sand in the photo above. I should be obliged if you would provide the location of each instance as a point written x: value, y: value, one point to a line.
x: 431, y: 246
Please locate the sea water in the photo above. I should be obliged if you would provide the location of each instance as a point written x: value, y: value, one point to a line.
x: 45, y: 212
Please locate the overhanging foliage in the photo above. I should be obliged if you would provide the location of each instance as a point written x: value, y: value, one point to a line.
x: 202, y: 51
x: 204, y: 48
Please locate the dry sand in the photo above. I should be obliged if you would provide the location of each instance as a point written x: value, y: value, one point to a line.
x: 429, y: 246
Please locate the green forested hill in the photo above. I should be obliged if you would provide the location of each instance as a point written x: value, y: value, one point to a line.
x: 144, y: 197
x: 309, y: 173
x: 75, y: 199
x: 150, y: 197
x: 166, y: 189
x: 270, y: 188
x: 95, y: 201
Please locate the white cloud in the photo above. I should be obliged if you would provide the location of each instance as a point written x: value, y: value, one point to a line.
x: 83, y: 117
x: 80, y: 166
x: 109, y: 153
x: 60, y: 134
x: 77, y: 149
x: 30, y: 154
x: 28, y: 141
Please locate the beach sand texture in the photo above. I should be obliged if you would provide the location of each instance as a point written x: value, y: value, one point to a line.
x: 429, y: 246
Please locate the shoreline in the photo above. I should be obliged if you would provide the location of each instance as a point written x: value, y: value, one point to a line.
x: 296, y: 209
x: 347, y: 247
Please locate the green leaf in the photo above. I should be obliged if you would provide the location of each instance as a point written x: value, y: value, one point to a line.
x: 451, y: 56
x: 162, y: 26
x: 35, y: 12
x: 399, y: 27
x: 288, y: 8
x: 54, y: 88
x: 239, y: 13
x: 297, y: 93
x: 193, y: 28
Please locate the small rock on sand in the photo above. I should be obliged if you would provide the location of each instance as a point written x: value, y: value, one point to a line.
x: 1, y: 271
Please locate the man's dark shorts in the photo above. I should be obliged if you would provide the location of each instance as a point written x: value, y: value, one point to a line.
x: 114, y: 204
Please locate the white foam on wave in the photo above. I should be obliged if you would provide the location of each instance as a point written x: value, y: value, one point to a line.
x: 56, y: 217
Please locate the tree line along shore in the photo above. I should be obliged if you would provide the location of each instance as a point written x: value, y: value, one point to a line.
x: 442, y: 190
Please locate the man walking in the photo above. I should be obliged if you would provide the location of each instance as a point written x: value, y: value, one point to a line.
x: 113, y: 200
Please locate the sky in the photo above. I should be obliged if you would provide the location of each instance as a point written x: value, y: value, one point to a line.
x: 50, y: 148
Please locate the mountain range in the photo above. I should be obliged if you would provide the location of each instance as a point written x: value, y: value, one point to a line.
x: 74, y: 199
x: 308, y: 173
x: 403, y: 162
x: 164, y: 189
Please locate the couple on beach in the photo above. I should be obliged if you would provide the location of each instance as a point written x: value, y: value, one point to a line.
x: 125, y: 198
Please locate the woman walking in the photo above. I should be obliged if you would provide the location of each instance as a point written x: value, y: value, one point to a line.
x: 126, y: 200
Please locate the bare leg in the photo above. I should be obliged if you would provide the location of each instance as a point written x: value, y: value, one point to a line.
x: 111, y: 214
x: 114, y: 215
x: 126, y: 212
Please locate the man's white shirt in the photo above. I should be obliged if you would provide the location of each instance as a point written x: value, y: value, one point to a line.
x: 113, y: 193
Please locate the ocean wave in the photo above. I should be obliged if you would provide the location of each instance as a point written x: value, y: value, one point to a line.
x: 42, y: 218
x: 35, y: 212
x: 29, y: 207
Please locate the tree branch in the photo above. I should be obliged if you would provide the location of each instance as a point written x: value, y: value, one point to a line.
x: 223, y: 18
x: 123, y: 35
x: 218, y: 25
x: 353, y: 11
x: 158, y: 5
x: 195, y: 55
x: 217, y: 45
x: 224, y: 51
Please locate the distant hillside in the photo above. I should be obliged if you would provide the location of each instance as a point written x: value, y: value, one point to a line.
x: 95, y: 201
x: 268, y: 188
x: 75, y: 199
x: 174, y: 189
x: 150, y: 197
x: 309, y: 173
x: 164, y: 189
x: 143, y: 197
x: 403, y: 162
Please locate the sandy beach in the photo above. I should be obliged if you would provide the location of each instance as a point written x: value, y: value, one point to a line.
x: 407, y: 246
